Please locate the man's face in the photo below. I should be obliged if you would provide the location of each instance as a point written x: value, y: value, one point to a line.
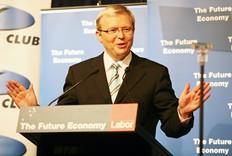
x: 116, y: 35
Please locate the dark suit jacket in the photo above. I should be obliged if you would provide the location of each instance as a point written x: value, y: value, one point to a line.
x: 146, y: 83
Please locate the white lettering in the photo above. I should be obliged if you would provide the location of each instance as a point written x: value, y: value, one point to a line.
x: 200, y: 10
x: 73, y: 52
x: 57, y: 60
x: 184, y: 42
x: 166, y: 43
x: 224, y: 151
x: 230, y: 39
x: 83, y: 126
x: 50, y: 126
x: 230, y: 105
x: 169, y: 51
x: 89, y: 31
x: 219, y: 75
x: 122, y: 124
x: 219, y: 142
x: 212, y: 18
x: 223, y: 84
x: 219, y: 9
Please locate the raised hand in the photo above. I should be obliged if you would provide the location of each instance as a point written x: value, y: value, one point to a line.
x: 189, y: 100
x: 21, y: 95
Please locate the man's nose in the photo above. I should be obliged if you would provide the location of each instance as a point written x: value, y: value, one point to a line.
x: 120, y: 34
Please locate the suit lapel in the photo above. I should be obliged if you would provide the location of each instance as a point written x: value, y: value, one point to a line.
x: 133, y: 76
x: 101, y: 80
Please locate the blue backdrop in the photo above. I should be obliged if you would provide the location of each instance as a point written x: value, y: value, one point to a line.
x: 172, y: 29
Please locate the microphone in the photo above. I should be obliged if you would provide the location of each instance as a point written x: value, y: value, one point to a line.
x: 126, y: 87
x: 202, y: 50
x: 75, y: 85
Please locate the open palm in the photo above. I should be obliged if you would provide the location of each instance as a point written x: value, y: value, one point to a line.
x: 21, y: 95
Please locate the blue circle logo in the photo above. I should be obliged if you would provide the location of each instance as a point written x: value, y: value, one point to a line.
x: 8, y: 75
x: 11, y: 147
x: 13, y: 18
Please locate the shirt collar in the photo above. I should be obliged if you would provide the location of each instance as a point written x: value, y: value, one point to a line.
x: 108, y: 61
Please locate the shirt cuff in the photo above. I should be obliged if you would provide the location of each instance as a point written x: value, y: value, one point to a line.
x: 183, y: 120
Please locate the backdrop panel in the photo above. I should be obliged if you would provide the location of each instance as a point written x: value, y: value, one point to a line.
x: 173, y: 27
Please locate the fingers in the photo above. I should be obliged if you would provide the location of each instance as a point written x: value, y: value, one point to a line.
x: 187, y: 88
x: 15, y: 90
x: 15, y: 86
x: 21, y: 95
x: 192, y: 101
x: 11, y: 89
x: 206, y: 97
x: 185, y: 92
x: 206, y: 92
x: 206, y: 88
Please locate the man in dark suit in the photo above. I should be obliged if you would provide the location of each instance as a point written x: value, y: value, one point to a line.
x: 146, y: 83
x: 138, y: 80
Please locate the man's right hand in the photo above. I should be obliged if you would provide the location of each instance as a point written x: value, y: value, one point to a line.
x: 21, y: 95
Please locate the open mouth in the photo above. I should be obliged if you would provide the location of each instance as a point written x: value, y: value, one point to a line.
x: 121, y: 45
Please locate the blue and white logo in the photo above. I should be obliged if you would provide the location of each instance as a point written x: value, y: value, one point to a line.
x: 11, y: 147
x: 8, y: 75
x: 13, y: 18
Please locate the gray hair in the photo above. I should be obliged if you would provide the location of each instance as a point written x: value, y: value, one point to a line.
x: 112, y: 10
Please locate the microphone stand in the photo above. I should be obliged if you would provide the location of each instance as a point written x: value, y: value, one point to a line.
x: 202, y: 57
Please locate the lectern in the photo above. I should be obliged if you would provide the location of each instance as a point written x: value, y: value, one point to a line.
x: 88, y: 130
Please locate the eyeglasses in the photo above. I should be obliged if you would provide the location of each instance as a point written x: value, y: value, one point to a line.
x: 115, y: 31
